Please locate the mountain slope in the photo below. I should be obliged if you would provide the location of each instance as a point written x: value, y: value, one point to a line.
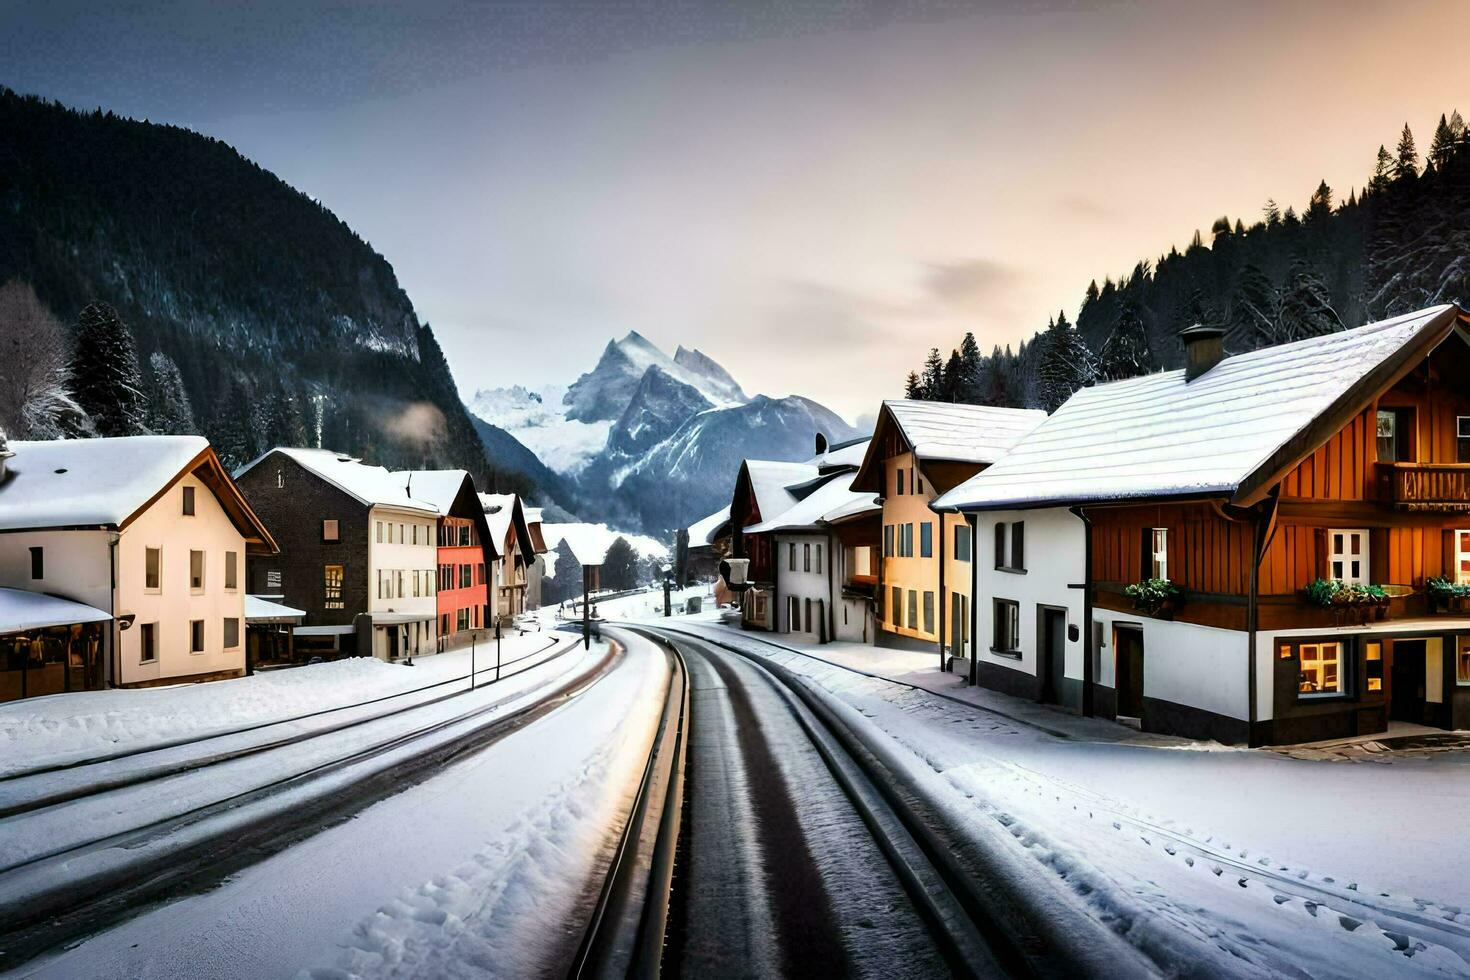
x: 658, y: 406
x: 259, y: 294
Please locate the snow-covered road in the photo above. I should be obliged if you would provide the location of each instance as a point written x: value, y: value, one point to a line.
x: 433, y: 880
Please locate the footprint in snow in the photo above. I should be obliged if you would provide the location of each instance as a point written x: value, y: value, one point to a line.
x: 1280, y: 899
x: 1169, y: 850
x: 1400, y: 943
x: 1189, y: 861
x: 1348, y: 922
x: 1311, y: 907
x: 1217, y: 870
x: 1241, y: 882
x: 1117, y: 825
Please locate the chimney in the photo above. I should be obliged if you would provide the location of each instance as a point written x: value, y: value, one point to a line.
x: 1204, y: 347
x: 821, y: 444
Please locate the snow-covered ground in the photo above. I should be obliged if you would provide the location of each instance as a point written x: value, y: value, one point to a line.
x: 64, y: 728
x: 1210, y: 859
x: 482, y: 869
x: 538, y: 421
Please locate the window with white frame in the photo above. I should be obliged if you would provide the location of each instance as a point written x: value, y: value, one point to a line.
x: 196, y: 571
x: 1462, y: 557
x: 196, y: 636
x: 1347, y: 559
x: 1007, y: 637
x: 1159, y: 552
x: 1321, y: 669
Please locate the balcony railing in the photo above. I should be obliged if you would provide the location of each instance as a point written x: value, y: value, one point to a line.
x: 1430, y: 486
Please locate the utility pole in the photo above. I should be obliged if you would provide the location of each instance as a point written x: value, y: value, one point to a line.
x: 472, y: 660
x: 586, y: 607
x: 497, y: 648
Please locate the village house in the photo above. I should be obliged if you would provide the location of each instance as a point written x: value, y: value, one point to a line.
x: 122, y: 563
x: 536, y: 571
x: 919, y: 450
x: 466, y: 551
x: 1270, y: 547
x: 761, y: 489
x: 357, y: 553
x: 505, y: 516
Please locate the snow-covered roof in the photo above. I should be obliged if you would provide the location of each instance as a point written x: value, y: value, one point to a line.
x: 961, y: 433
x: 849, y: 454
x: 499, y: 512
x: 1159, y: 435
x: 861, y: 503
x: 437, y: 488
x: 371, y: 485
x: 702, y: 531
x: 258, y: 609
x: 533, y: 514
x: 89, y: 482
x: 769, y: 481
x: 834, y: 495
x: 22, y: 610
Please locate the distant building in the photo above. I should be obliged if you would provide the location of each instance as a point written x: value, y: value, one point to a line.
x: 467, y: 551
x: 506, y: 518
x: 536, y: 571
x: 122, y: 562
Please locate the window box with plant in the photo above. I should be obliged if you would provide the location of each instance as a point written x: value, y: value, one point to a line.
x: 1155, y: 597
x: 1445, y: 595
x: 1349, y: 602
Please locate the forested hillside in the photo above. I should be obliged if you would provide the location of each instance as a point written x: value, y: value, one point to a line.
x: 1399, y: 244
x: 255, y: 316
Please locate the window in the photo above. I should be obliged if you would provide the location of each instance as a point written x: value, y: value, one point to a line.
x: 153, y: 569
x: 918, y: 484
x: 280, y: 480
x: 1010, y: 546
x: 1388, y: 443
x: 1462, y: 660
x: 398, y: 592
x: 232, y: 563
x: 928, y: 612
x: 462, y: 619
x: 196, y: 636
x: 1462, y: 438
x: 232, y: 633
x: 196, y: 571
x: 926, y: 540
x: 1321, y: 669
x: 332, y: 586
x: 331, y: 531
x: 898, y: 483
x: 1348, y: 558
x: 417, y: 586
x: 806, y: 557
x: 962, y: 542
x: 380, y: 532
x: 905, y: 541
x: 465, y: 573
x: 1462, y: 557
x: 188, y: 501
x: 1373, y: 664
x: 464, y: 536
x: 895, y: 613
x: 38, y: 563
x: 1007, y: 627
x: 913, y: 609
x: 791, y: 556
x: 390, y: 532
x: 888, y: 541
x: 862, y: 561
x: 1158, y: 552
x: 818, y: 565
x: 147, y: 643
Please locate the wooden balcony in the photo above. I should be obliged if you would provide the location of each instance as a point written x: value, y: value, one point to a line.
x: 1443, y: 487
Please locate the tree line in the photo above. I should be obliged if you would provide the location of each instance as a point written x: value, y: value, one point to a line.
x: 1400, y: 244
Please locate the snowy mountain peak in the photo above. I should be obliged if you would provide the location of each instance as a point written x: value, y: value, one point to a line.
x: 604, y: 393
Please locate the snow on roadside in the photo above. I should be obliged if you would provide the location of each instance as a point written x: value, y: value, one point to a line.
x: 1238, y: 862
x: 66, y: 728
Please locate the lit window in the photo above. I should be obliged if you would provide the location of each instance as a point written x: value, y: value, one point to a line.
x: 1321, y: 668
x: 1348, y: 558
x: 1159, y: 549
x: 1373, y: 661
x: 273, y: 580
x: 332, y: 586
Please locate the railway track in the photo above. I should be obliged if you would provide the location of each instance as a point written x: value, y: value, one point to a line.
x: 982, y: 912
x: 221, y: 819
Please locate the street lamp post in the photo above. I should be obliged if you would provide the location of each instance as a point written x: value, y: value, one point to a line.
x: 497, y: 648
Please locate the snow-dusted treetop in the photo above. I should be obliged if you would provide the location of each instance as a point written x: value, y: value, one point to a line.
x: 90, y: 482
x: 1159, y: 435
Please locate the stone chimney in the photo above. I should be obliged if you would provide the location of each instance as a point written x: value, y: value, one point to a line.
x: 821, y: 444
x: 1204, y: 347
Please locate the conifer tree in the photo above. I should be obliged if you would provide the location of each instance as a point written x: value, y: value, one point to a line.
x: 1254, y: 309
x: 1406, y: 163
x: 105, y: 373
x: 1443, y: 144
x: 1320, y: 204
x: 169, y: 410
x: 912, y: 389
x: 620, y: 567
x: 1127, y: 353
x: 972, y: 366
x: 931, y: 382
x: 954, y: 381
x: 1306, y: 306
x: 1065, y: 364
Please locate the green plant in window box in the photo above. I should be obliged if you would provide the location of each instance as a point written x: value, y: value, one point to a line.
x: 1445, y: 594
x: 1348, y: 601
x: 1154, y: 596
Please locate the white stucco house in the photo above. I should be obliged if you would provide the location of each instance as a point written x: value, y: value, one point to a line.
x: 150, y: 532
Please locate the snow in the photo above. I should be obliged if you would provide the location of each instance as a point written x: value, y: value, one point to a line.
x: 258, y: 608
x: 537, y: 419
x: 842, y: 456
x: 370, y: 485
x: 89, y: 482
x: 1221, y: 861
x: 701, y: 532
x: 834, y: 498
x: 22, y: 610
x: 65, y: 728
x: 500, y: 511
x: 769, y: 481
x: 589, y: 542
x: 1142, y: 436
x: 961, y: 433
x: 503, y: 840
x: 437, y: 488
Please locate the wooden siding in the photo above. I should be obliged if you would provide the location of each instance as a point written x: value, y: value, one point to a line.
x: 1207, y: 552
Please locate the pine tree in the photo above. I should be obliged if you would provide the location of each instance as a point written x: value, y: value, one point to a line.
x: 1272, y: 212
x: 285, y: 422
x: 1406, y: 164
x: 972, y: 367
x: 1443, y: 144
x: 1127, y: 353
x: 1065, y: 364
x: 1306, y: 306
x: 566, y: 583
x: 1320, y: 204
x: 35, y: 378
x: 1254, y: 314
x: 931, y: 382
x: 169, y: 410
x: 954, y: 378
x: 620, y: 567
x: 104, y: 369
x: 912, y: 389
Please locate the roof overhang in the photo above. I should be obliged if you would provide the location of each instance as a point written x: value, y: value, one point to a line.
x: 212, y: 473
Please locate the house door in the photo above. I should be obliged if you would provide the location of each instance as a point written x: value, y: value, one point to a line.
x: 959, y: 624
x: 1406, y: 681
x: 1052, y: 653
x: 393, y: 645
x: 1128, y: 671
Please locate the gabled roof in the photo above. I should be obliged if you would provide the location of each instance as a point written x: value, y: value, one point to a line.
x: 437, y: 488
x: 769, y: 481
x: 834, y: 497
x: 1233, y: 431
x: 108, y: 482
x: 940, y: 432
x: 258, y: 610
x: 372, y: 486
x: 702, y: 533
x: 842, y: 455
x: 502, y: 512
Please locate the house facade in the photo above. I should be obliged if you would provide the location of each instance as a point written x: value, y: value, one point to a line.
x: 357, y: 554
x: 918, y: 451
x: 148, y: 531
x: 505, y: 516
x: 465, y: 552
x: 761, y: 493
x: 1272, y: 547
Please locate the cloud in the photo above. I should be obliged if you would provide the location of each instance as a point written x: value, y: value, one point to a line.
x: 969, y: 282
x: 1085, y: 208
x: 420, y: 424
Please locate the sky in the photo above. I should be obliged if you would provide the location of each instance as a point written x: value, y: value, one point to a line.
x: 813, y: 194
